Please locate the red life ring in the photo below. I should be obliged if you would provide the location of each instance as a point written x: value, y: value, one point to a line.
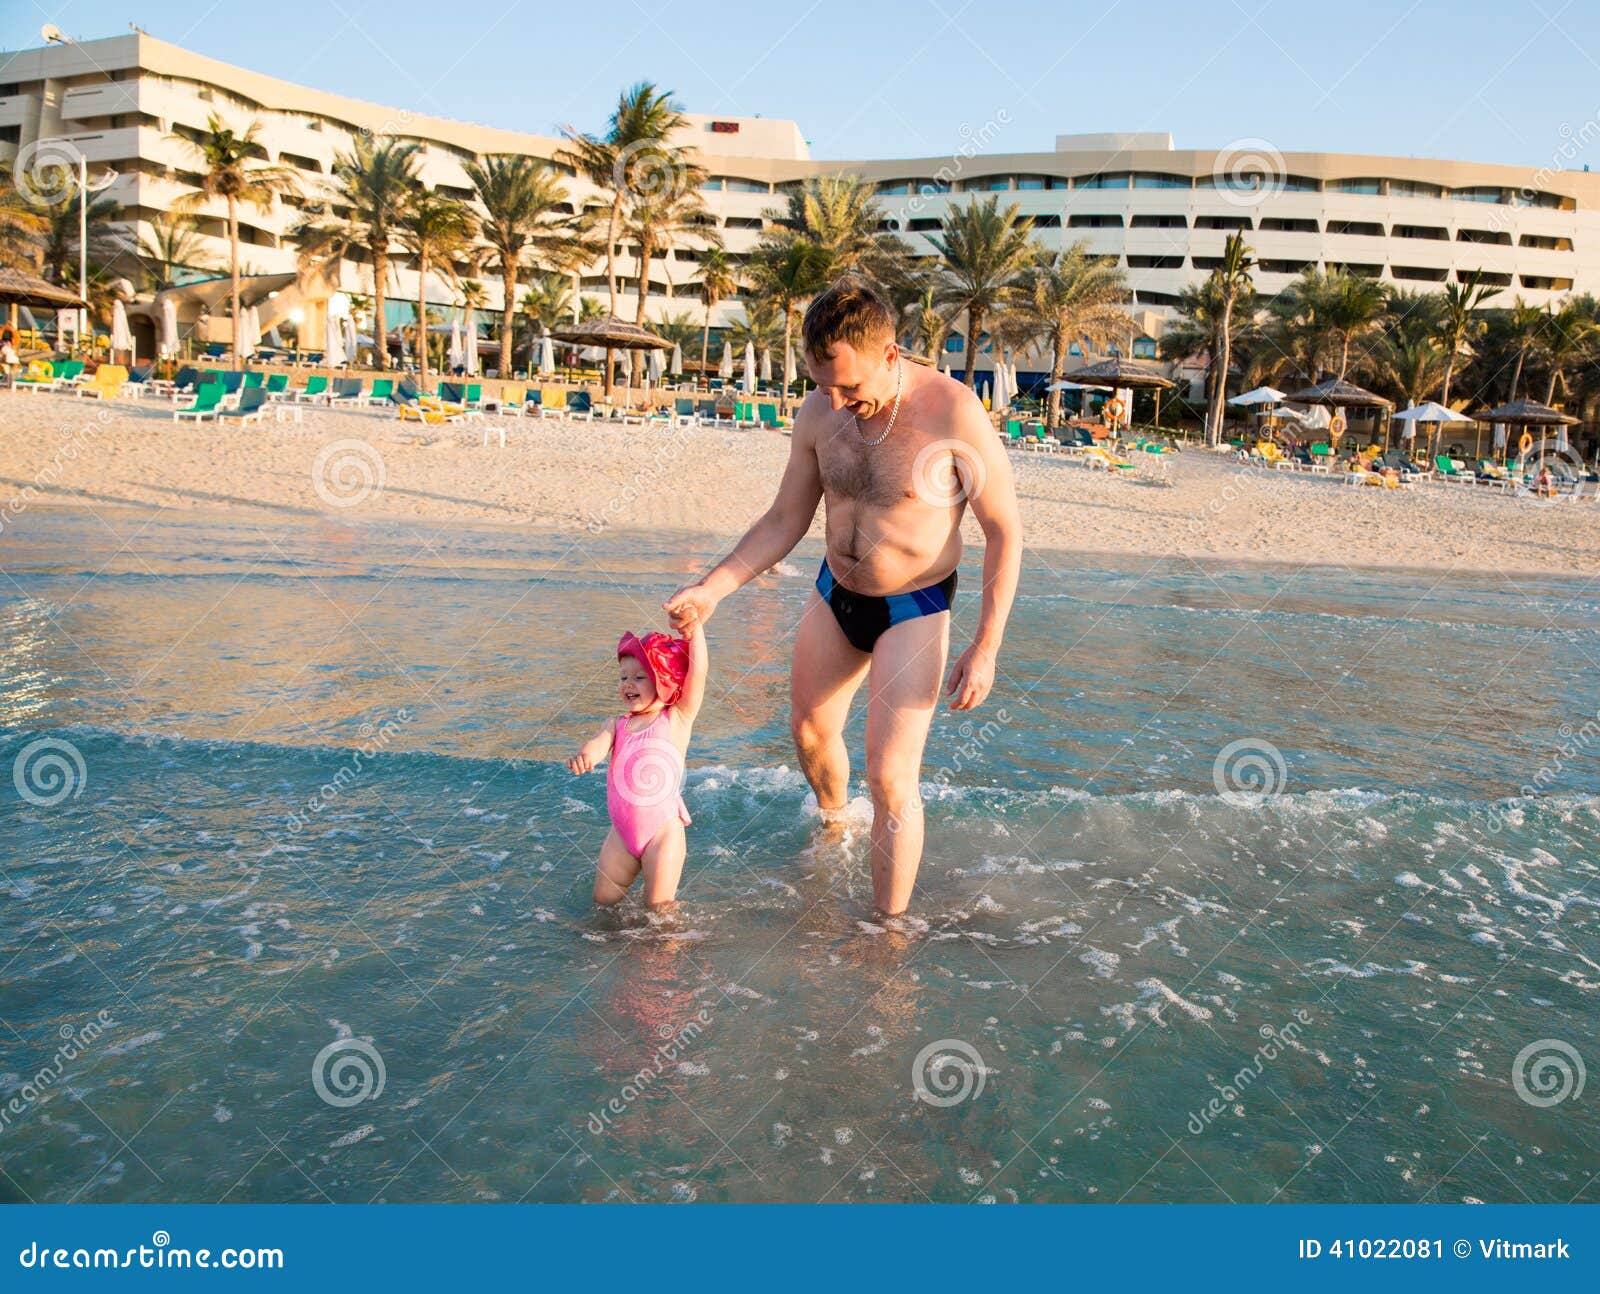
x: 1114, y: 409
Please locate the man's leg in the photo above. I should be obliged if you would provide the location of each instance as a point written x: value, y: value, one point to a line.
x: 823, y: 678
x: 902, y: 691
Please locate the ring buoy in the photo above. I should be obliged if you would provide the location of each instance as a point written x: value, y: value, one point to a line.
x: 1114, y: 409
x: 1526, y: 443
x: 1337, y: 425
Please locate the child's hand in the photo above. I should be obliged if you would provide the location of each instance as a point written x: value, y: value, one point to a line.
x: 590, y: 754
x: 580, y: 763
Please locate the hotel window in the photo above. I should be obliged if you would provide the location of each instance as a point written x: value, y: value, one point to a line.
x: 1484, y: 277
x: 748, y: 186
x: 928, y: 188
x: 1155, y: 262
x: 1550, y: 201
x: 1158, y: 222
x: 1117, y: 181
x: 1365, y: 185
x: 1284, y: 226
x: 1144, y: 348
x: 1045, y: 222
x: 1356, y: 228
x: 712, y: 185
x: 988, y: 184
x: 1146, y: 298
x: 1156, y: 180
x: 1481, y: 193
x: 744, y: 222
x: 1286, y: 267
x: 1206, y: 262
x: 1419, y: 273
x: 924, y: 224
x: 1223, y: 222
x: 1032, y: 182
x: 1094, y: 222
x: 1413, y: 189
x: 1543, y: 284
x: 1362, y: 271
x: 892, y: 188
x: 955, y: 343
x: 1497, y: 236
x: 1431, y: 232
x: 1299, y: 184
x: 1545, y: 242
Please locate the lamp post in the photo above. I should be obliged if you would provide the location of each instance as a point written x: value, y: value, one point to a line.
x: 53, y: 35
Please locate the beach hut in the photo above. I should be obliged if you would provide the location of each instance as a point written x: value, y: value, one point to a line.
x: 1525, y: 414
x: 18, y: 289
x: 614, y: 334
x: 1115, y: 372
x: 1336, y: 393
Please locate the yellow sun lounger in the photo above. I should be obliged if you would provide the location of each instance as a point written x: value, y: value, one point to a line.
x: 430, y: 410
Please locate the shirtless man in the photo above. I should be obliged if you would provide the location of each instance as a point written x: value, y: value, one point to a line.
x: 898, y: 452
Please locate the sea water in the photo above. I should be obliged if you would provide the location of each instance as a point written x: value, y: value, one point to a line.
x: 1248, y: 883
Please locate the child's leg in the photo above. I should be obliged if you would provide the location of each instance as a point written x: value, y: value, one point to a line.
x: 663, y: 864
x: 616, y: 870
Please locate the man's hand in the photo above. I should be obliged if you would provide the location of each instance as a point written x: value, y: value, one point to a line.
x: 691, y: 607
x: 971, y: 678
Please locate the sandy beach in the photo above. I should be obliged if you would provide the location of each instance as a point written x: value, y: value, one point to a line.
x: 566, y: 476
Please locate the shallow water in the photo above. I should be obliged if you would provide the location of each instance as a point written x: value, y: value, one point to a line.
x: 1231, y: 892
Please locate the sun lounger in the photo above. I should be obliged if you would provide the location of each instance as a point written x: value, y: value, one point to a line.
x: 252, y: 401
x: 1450, y: 469
x: 412, y: 406
x: 346, y: 391
x: 69, y: 374
x: 382, y: 388
x: 252, y: 377
x: 579, y: 405
x: 106, y: 384
x: 206, y: 402
x: 138, y: 381
x: 40, y: 375
x: 315, y: 392
x: 278, y: 387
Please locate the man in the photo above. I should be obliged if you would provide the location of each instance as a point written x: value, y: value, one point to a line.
x: 898, y: 452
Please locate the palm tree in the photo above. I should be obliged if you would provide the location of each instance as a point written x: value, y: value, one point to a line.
x: 372, y: 186
x: 525, y: 214
x: 1460, y: 323
x: 107, y: 241
x: 840, y: 216
x: 761, y: 328
x: 631, y: 159
x: 659, y: 220
x: 1230, y: 281
x: 785, y: 274
x: 22, y: 227
x: 928, y: 324
x: 984, y: 251
x: 230, y: 172
x: 436, y: 230
x: 718, y: 279
x: 1073, y: 296
x: 1523, y: 324
x: 1354, y: 308
x: 1569, y: 335
x: 174, y: 244
x: 1410, y: 360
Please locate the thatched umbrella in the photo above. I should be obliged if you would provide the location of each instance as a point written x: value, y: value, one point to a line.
x: 18, y: 289
x: 1527, y: 413
x: 612, y: 333
x: 1129, y: 373
x: 1336, y: 393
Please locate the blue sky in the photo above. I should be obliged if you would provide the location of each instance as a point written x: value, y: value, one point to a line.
x: 1508, y: 82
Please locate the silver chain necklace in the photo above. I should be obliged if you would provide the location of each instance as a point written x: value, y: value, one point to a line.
x: 899, y: 388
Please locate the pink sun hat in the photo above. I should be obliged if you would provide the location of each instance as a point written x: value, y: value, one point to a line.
x: 664, y: 657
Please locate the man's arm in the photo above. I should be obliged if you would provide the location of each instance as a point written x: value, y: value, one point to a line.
x: 769, y: 541
x: 986, y: 477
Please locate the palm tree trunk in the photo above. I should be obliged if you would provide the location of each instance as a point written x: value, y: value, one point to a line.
x: 974, y: 331
x: 1550, y: 390
x: 380, y: 305
x: 508, y: 285
x: 705, y: 340
x: 1219, y: 390
x: 1449, y: 376
x: 788, y: 332
x: 233, y: 270
x: 1516, y: 374
x: 422, y: 317
x: 1058, y: 361
x: 1344, y: 358
x: 611, y: 260
x: 645, y: 256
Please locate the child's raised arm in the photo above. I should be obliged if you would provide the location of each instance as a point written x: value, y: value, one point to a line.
x: 694, y: 682
x: 592, y: 751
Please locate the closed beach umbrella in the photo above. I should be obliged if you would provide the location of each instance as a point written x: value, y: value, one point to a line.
x: 248, y: 335
x: 658, y: 366
x: 547, y: 355
x: 333, y: 349
x: 169, y: 327
x: 457, y: 357
x: 749, y: 368
x: 351, y: 339
x: 121, y: 338
x: 676, y: 366
x: 999, y: 397
x: 766, y: 366
x: 469, y: 351
x: 627, y: 368
x: 1561, y: 441
x: 725, y: 366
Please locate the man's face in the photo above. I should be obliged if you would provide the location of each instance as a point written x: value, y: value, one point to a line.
x: 862, y: 381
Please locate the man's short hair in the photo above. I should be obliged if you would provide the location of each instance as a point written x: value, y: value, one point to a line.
x: 850, y: 311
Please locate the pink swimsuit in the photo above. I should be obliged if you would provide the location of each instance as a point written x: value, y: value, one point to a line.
x: 643, y: 784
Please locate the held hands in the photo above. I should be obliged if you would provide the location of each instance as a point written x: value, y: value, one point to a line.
x: 971, y: 678
x: 690, y: 607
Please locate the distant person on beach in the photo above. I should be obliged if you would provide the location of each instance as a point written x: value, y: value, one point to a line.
x: 662, y: 681
x: 897, y: 452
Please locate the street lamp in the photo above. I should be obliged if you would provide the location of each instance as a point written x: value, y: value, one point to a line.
x: 53, y: 36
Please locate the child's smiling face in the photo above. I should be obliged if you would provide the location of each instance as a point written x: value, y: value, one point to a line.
x: 635, y: 686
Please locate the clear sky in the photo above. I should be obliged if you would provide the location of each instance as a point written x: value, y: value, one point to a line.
x: 1506, y: 82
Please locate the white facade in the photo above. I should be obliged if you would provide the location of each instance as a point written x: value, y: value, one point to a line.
x: 1164, y: 213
